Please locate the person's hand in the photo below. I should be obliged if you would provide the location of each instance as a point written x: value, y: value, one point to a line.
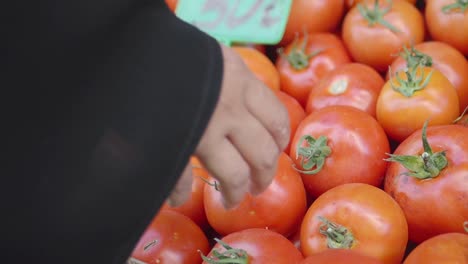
x: 244, y: 138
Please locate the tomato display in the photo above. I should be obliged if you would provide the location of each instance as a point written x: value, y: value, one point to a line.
x: 358, y: 217
x: 428, y: 178
x: 279, y: 208
x: 354, y: 84
x: 331, y: 141
x: 171, y: 238
x: 254, y: 246
x: 447, y: 21
x: 375, y: 30
x: 445, y: 248
x: 306, y: 60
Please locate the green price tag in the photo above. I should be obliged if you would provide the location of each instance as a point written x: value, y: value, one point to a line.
x: 242, y: 21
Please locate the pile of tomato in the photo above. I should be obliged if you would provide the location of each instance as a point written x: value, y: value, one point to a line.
x: 377, y: 166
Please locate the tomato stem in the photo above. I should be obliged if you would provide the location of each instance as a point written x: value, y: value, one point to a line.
x: 415, y: 58
x: 313, y: 154
x: 427, y: 165
x: 228, y: 256
x: 459, y: 6
x: 214, y: 184
x: 376, y: 15
x: 297, y: 57
x: 459, y: 119
x: 414, y: 81
x: 338, y: 237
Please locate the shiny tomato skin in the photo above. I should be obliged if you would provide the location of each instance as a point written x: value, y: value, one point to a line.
x: 377, y: 45
x: 376, y: 221
x: 171, y: 238
x: 451, y: 27
x: 194, y: 208
x: 356, y: 140
x: 304, y: 14
x: 279, y: 208
x: 262, y: 246
x: 352, y: 3
x: 448, y: 248
x: 295, y: 111
x: 260, y: 66
x: 299, y: 82
x: 438, y: 205
x: 400, y: 116
x: 334, y: 256
x: 449, y: 61
x: 353, y: 84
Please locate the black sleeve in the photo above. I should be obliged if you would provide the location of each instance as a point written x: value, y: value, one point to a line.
x: 103, y: 101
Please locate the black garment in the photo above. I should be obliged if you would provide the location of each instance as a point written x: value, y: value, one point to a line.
x: 103, y: 101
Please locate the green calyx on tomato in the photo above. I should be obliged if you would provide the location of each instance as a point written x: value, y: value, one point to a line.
x: 427, y: 165
x: 414, y: 58
x: 461, y: 119
x: 229, y: 256
x: 376, y: 15
x: 459, y: 6
x: 338, y: 237
x: 313, y: 154
x: 297, y: 57
x: 414, y: 81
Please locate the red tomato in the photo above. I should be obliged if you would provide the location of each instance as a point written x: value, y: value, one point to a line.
x: 446, y: 248
x: 357, y: 217
x: 437, y: 201
x: 295, y: 111
x: 194, y: 208
x: 352, y: 3
x: 172, y: 4
x: 374, y: 39
x: 257, y: 246
x: 449, y: 25
x: 279, y: 208
x: 402, y: 108
x: 305, y: 61
x: 353, y: 84
x: 260, y: 65
x: 303, y: 17
x: 171, y: 238
x: 443, y: 57
x: 335, y: 256
x: 350, y: 137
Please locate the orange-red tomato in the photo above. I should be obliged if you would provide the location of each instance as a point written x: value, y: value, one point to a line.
x: 354, y: 84
x: 303, y: 17
x: 172, y: 4
x: 306, y: 61
x: 448, y: 25
x: 443, y: 57
x: 372, y: 43
x: 436, y: 205
x: 355, y: 143
x: 295, y: 111
x: 279, y: 208
x: 194, y: 208
x: 357, y: 217
x: 404, y: 111
x: 260, y: 65
x: 446, y: 248
x: 259, y: 47
x: 171, y: 238
x: 260, y: 246
x: 352, y: 3
x: 335, y: 256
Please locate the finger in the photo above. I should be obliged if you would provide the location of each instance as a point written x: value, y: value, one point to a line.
x: 226, y: 165
x: 259, y: 150
x: 183, y: 188
x: 263, y: 104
